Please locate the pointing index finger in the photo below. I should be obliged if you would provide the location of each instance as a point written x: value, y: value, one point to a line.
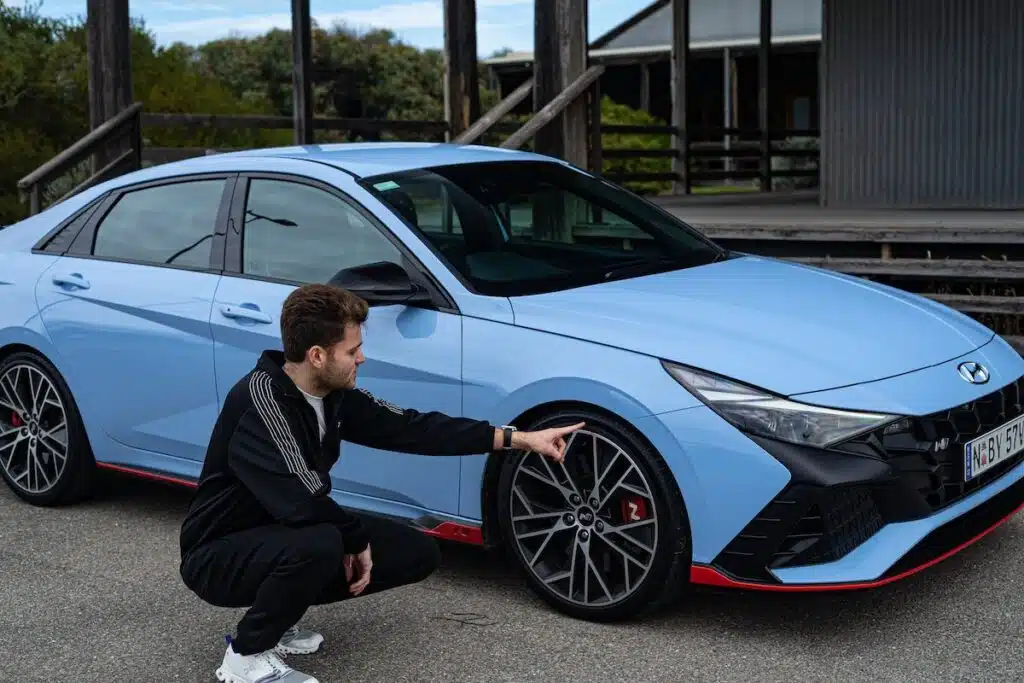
x: 571, y: 428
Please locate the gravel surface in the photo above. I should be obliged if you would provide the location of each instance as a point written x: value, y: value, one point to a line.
x: 91, y: 593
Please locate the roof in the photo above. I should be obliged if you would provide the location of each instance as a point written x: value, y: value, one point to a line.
x: 372, y: 158
x: 714, y: 24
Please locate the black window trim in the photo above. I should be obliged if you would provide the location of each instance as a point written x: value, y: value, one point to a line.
x: 46, y: 243
x: 82, y: 245
x: 232, y: 253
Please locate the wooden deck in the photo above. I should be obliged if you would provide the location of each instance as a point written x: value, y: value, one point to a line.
x: 798, y: 216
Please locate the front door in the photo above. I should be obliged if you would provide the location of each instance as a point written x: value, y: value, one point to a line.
x: 295, y: 232
x: 128, y: 309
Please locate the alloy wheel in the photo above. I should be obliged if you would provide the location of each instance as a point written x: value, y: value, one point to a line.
x: 587, y: 528
x: 33, y: 429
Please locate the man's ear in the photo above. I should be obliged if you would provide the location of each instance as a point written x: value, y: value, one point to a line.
x: 317, y: 356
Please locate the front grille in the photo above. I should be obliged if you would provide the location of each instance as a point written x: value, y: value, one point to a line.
x: 928, y: 451
x: 803, y: 525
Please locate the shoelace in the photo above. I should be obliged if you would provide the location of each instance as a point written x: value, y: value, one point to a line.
x: 271, y: 660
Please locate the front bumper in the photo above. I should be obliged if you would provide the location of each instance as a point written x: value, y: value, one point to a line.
x: 877, y: 508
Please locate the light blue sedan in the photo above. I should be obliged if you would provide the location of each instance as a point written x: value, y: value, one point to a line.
x: 750, y: 422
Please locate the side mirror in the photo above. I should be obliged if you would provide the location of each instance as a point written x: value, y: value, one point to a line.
x: 380, y: 284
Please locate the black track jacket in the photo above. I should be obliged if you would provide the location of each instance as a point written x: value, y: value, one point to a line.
x: 265, y: 463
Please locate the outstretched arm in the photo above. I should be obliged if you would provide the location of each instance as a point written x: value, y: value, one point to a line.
x: 374, y: 422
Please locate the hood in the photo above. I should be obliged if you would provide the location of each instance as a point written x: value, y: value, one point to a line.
x: 784, y: 327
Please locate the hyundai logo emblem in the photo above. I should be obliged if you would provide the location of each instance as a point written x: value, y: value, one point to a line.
x: 972, y: 372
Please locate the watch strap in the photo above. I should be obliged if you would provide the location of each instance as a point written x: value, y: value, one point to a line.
x: 507, y: 431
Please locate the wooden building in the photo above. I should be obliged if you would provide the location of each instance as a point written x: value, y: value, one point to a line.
x: 723, y: 61
x: 918, y: 103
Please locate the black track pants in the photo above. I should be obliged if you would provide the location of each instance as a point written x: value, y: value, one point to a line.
x: 279, y: 572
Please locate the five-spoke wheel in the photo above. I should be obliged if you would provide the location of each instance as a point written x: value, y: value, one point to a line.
x: 597, y: 532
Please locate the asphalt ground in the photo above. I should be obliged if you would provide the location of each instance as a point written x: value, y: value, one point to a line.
x: 91, y: 593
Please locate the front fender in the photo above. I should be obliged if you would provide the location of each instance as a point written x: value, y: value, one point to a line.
x: 509, y: 370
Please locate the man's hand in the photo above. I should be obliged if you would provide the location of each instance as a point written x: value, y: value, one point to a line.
x: 361, y: 569
x: 547, y: 442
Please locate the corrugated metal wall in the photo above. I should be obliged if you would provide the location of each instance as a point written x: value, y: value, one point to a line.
x: 728, y: 21
x: 922, y: 103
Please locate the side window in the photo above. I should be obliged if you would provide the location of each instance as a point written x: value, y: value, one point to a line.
x: 303, y: 234
x: 167, y: 225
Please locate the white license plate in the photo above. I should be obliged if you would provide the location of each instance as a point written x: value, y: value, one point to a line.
x: 988, y: 450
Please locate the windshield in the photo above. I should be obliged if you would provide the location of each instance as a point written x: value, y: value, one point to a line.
x: 524, y: 227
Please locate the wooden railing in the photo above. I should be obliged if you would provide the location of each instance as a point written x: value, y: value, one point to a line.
x: 553, y: 108
x: 495, y: 114
x: 743, y: 151
x: 95, y: 144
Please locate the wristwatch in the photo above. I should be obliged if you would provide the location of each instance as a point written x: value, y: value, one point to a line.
x: 507, y: 430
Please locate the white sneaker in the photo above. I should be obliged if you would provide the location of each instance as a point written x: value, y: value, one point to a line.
x: 297, y: 641
x: 265, y: 667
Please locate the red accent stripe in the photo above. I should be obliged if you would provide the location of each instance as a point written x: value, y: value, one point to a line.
x: 709, y: 576
x: 453, y: 531
x: 144, y: 474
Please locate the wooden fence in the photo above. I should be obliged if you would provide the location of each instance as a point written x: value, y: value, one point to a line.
x: 707, y: 155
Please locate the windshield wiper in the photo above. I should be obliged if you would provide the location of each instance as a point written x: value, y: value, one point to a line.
x: 639, y: 267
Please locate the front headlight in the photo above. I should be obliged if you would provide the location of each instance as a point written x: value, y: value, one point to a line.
x: 757, y: 412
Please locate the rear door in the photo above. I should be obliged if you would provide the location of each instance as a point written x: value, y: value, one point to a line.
x: 128, y: 307
x: 294, y: 231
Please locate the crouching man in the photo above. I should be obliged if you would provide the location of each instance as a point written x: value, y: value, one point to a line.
x: 262, y: 531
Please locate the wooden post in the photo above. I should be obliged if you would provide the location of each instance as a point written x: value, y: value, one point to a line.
x: 763, y: 62
x: 680, y: 80
x: 560, y: 57
x: 645, y: 86
x: 461, y: 85
x: 302, y: 72
x: 108, y: 36
x: 729, y: 105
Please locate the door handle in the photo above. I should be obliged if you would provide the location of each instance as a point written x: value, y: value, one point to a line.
x: 245, y: 312
x: 74, y: 280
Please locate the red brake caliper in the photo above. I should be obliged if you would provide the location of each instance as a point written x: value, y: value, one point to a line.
x: 634, y: 509
x: 16, y: 420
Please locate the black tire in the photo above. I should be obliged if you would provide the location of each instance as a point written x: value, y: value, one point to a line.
x: 76, y: 480
x: 668, y: 571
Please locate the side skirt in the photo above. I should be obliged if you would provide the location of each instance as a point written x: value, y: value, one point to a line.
x: 431, y: 524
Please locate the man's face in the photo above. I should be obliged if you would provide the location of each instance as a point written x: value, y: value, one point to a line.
x: 339, y: 364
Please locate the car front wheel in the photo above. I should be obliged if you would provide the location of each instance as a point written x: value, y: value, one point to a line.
x: 602, y: 536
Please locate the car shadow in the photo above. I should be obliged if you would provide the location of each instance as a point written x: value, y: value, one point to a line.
x: 492, y: 575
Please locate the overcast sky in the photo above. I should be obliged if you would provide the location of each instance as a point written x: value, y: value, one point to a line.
x: 500, y: 23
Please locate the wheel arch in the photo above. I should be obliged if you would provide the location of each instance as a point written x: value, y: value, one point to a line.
x: 492, y: 469
x: 21, y: 339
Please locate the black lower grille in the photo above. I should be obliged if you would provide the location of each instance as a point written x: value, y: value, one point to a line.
x: 845, y: 518
x: 928, y: 451
x: 803, y: 525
